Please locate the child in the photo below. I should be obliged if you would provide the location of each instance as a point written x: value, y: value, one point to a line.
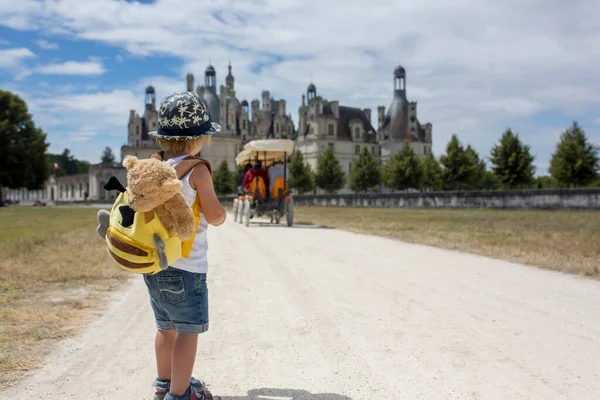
x: 179, y: 295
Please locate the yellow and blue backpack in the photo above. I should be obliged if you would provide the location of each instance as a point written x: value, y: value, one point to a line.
x: 138, y: 241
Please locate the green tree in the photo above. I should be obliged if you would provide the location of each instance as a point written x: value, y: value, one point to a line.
x: 329, y: 175
x: 223, y: 180
x: 107, y: 156
x: 23, y: 161
x: 575, y: 161
x: 512, y: 162
x: 300, y: 175
x: 432, y: 173
x: 477, y: 169
x: 403, y: 170
x: 491, y: 181
x: 544, y: 182
x: 458, y: 169
x: 365, y: 173
x: 67, y: 164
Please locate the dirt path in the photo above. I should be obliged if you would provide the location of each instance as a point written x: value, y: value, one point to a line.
x: 309, y: 313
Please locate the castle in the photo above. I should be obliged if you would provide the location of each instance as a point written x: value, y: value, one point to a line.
x: 347, y: 130
x: 321, y: 124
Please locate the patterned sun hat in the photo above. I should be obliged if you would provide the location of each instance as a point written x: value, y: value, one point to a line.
x: 183, y: 116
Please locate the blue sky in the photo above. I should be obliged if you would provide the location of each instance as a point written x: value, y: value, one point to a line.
x: 475, y: 67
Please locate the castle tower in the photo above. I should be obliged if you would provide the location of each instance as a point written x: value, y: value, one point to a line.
x: 210, y: 77
x: 397, y: 128
x: 311, y: 92
x: 150, y: 98
x: 229, y: 81
x: 208, y: 94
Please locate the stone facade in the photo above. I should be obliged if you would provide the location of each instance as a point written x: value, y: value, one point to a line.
x: 323, y: 123
x: 71, y: 188
x: 270, y: 120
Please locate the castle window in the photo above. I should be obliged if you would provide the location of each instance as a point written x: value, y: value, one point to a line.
x: 330, y: 129
x: 277, y: 128
x: 350, y: 167
x: 357, y: 149
x: 373, y: 150
x: 137, y: 143
x: 331, y: 146
x: 357, y: 132
x: 244, y: 124
x: 137, y: 130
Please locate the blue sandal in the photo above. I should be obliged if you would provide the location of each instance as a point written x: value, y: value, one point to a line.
x: 193, y: 394
x: 165, y: 385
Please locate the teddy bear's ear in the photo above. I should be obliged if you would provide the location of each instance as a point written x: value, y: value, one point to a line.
x: 172, y: 185
x: 129, y: 161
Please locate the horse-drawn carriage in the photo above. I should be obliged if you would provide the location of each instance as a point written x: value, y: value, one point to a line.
x: 256, y: 199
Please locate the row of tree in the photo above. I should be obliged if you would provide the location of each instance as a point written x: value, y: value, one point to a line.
x: 574, y: 163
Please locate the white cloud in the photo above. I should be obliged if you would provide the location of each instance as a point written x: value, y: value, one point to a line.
x: 4, y: 42
x: 86, y: 68
x: 474, y: 66
x: 14, y: 58
x: 46, y: 45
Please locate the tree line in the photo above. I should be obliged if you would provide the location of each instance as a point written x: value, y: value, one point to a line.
x: 574, y: 163
x: 24, y: 162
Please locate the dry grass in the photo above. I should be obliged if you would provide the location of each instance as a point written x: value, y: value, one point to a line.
x: 565, y: 241
x: 54, y: 270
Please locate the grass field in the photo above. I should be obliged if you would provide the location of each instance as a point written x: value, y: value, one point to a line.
x: 54, y: 270
x: 565, y: 241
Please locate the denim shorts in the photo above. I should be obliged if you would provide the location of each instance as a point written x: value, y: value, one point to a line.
x: 179, y: 300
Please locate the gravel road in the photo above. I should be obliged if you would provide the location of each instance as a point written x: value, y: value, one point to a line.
x: 314, y: 313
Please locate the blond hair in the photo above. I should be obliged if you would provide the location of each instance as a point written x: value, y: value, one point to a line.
x: 190, y: 146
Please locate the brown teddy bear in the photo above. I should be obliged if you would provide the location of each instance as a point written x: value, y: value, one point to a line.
x: 153, y: 186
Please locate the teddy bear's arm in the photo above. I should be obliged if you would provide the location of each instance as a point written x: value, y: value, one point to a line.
x: 166, y: 218
x: 182, y: 217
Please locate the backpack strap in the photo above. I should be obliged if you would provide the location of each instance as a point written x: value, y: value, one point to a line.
x: 182, y: 168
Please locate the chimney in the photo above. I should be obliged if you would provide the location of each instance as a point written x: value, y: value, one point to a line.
x: 380, y: 116
x: 190, y: 82
x: 335, y: 108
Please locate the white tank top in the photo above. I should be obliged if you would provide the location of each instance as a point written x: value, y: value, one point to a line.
x: 197, y: 261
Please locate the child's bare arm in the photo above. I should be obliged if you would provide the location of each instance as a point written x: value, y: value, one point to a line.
x: 201, y: 182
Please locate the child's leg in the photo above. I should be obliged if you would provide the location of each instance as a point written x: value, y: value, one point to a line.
x: 182, y: 362
x: 163, y: 346
x: 159, y: 288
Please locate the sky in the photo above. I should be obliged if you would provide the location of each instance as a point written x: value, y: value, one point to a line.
x: 475, y: 67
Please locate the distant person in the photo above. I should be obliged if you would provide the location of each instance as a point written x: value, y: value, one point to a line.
x: 275, y: 171
x: 252, y: 173
x: 179, y: 294
x: 242, y: 175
